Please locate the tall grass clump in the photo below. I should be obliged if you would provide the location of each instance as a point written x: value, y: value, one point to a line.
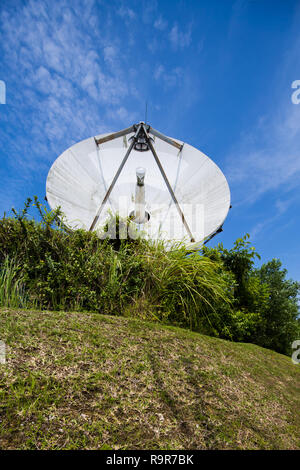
x: 12, y: 290
x: 184, y: 289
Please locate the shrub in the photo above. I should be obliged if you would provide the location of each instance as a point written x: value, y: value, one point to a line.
x: 219, y: 292
x: 76, y: 270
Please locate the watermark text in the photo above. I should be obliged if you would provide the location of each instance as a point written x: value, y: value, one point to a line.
x: 296, y: 94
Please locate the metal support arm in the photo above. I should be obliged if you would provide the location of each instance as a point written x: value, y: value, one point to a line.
x: 146, y: 129
x: 165, y: 138
x: 115, y: 179
x: 171, y: 191
x: 115, y: 135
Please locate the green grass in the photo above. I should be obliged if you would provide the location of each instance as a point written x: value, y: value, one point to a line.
x: 12, y: 292
x: 89, y: 381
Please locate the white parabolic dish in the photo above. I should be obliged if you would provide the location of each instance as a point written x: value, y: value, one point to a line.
x: 80, y: 177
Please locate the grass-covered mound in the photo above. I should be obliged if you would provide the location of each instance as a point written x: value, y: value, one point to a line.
x: 90, y: 381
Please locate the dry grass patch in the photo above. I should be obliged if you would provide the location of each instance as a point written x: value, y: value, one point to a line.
x: 89, y: 381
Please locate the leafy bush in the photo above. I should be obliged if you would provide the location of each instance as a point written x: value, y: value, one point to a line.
x: 280, y: 313
x: 219, y: 292
x: 76, y: 270
x: 265, y: 308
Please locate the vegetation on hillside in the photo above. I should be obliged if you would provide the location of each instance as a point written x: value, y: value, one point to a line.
x: 217, y: 292
x: 92, y: 381
x: 265, y: 306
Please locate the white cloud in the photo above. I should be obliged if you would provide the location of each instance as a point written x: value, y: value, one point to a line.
x: 268, y: 157
x: 110, y: 53
x: 64, y: 79
x: 159, y: 72
x: 47, y: 51
x: 71, y: 76
x: 124, y: 115
x: 154, y: 45
x: 179, y: 39
x: 160, y: 24
x: 126, y: 12
x: 280, y: 207
x: 169, y: 78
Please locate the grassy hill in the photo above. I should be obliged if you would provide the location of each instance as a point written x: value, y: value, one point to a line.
x: 89, y: 381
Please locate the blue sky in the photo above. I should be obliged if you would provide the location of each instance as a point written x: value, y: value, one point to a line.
x: 216, y: 74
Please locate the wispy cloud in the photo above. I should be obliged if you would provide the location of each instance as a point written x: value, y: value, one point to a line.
x: 123, y: 114
x: 275, y: 215
x: 160, y: 23
x: 169, y: 78
x: 268, y: 157
x: 61, y: 61
x: 180, y: 39
x: 71, y: 74
x: 263, y: 166
x: 64, y: 79
x: 126, y: 12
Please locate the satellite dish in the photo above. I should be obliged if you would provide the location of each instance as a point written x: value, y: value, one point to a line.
x: 171, y: 190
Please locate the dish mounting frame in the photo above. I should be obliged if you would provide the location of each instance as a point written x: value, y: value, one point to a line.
x: 141, y: 133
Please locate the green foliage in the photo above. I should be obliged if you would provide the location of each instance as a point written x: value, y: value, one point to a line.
x: 280, y: 326
x: 239, y: 260
x: 76, y: 270
x: 219, y: 292
x: 12, y: 292
x: 265, y: 307
x: 188, y: 289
